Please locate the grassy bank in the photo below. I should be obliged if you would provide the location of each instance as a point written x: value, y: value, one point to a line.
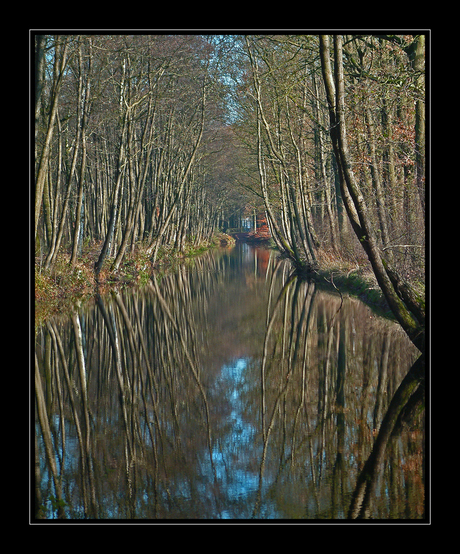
x: 354, y: 278
x: 57, y: 289
x: 357, y: 279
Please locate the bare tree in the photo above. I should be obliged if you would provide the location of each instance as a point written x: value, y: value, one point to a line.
x: 60, y: 62
x: 403, y: 301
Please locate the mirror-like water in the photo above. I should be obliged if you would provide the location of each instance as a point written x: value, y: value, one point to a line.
x: 226, y: 390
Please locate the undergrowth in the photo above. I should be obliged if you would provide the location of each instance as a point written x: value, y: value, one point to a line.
x: 57, y: 288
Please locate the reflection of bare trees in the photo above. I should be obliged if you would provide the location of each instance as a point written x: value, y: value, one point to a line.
x: 132, y: 413
x: 327, y: 377
x: 120, y: 399
x: 410, y: 392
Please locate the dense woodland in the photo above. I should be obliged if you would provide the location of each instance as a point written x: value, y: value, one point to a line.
x: 157, y: 141
x: 152, y: 144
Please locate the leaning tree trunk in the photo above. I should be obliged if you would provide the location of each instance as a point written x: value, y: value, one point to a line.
x: 353, y: 198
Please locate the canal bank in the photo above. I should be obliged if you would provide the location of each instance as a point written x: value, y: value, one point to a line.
x: 56, y: 289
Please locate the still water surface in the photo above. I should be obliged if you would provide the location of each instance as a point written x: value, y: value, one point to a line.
x: 225, y: 390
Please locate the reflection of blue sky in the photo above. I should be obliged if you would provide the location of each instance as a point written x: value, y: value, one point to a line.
x: 233, y: 453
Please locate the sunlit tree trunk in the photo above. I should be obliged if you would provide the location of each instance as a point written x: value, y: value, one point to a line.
x: 60, y: 62
x: 351, y: 193
x: 85, y: 101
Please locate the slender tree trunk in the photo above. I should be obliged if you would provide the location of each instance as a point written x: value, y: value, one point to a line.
x: 56, y: 245
x: 351, y: 193
x: 323, y: 172
x: 376, y: 180
x: 275, y: 230
x: 154, y: 246
x: 78, y: 214
x: 113, y: 215
x: 85, y: 100
x: 59, y: 66
x: 137, y: 190
x: 40, y: 41
x: 419, y: 66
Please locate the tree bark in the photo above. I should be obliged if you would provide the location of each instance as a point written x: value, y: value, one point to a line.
x: 113, y: 215
x: 351, y: 193
x: 59, y: 66
x: 85, y: 100
x: 39, y: 75
x: 419, y: 66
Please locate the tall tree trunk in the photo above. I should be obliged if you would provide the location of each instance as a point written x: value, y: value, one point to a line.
x: 351, y: 193
x: 85, y: 100
x: 137, y: 180
x: 79, y: 220
x: 155, y: 244
x: 419, y: 66
x: 376, y: 180
x: 322, y: 163
x: 274, y: 227
x: 39, y: 75
x: 113, y: 215
x: 59, y: 66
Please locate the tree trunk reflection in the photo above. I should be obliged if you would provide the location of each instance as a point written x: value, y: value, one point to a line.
x: 232, y: 389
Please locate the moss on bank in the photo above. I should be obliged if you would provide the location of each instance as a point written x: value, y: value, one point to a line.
x: 354, y: 278
x: 359, y: 284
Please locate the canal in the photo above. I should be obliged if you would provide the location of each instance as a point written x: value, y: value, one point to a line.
x: 225, y: 389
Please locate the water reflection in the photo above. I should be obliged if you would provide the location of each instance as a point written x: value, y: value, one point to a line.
x: 226, y: 390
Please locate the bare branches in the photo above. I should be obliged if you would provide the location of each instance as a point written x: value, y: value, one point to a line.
x: 396, y: 298
x: 135, y: 116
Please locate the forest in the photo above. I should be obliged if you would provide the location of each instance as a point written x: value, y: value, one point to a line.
x: 146, y: 144
x: 152, y: 148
